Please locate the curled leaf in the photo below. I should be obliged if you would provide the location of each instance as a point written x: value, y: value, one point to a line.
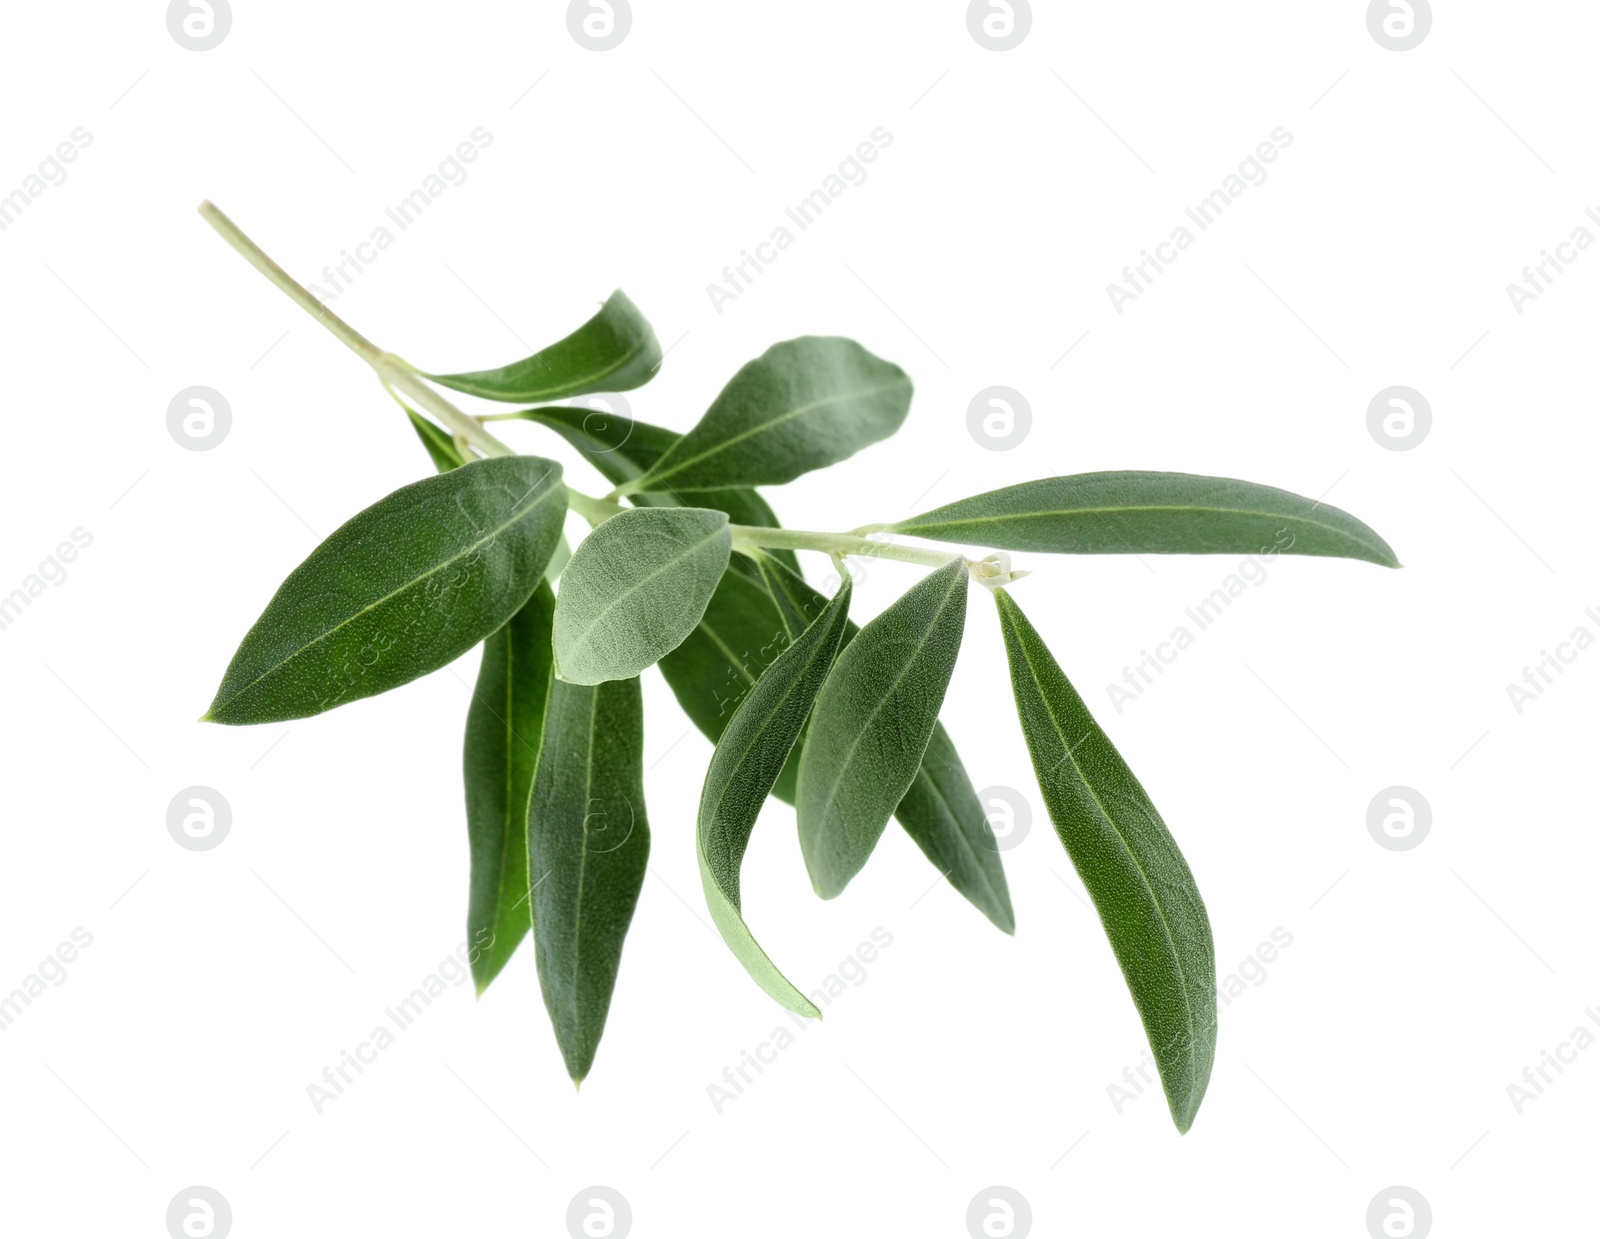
x: 614, y: 351
x: 746, y: 764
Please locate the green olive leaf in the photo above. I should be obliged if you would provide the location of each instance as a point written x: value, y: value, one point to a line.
x: 872, y: 723
x: 588, y: 848
x: 1150, y: 514
x: 505, y: 725
x: 441, y: 448
x: 635, y: 589
x: 616, y: 350
x: 801, y: 405
x: 1130, y: 865
x: 940, y: 810
x: 719, y: 662
x: 401, y: 589
x: 622, y: 448
x: 752, y: 752
x: 942, y: 814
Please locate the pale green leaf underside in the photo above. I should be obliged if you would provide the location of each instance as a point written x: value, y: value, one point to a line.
x: 1130, y: 865
x: 747, y: 762
x: 635, y: 588
x: 1141, y: 513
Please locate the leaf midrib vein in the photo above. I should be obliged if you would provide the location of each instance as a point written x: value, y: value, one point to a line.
x: 583, y: 856
x: 1166, y: 929
x: 676, y: 467
x: 581, y: 635
x: 912, y: 525
x: 351, y: 618
x: 905, y: 669
x: 715, y: 807
x: 561, y: 391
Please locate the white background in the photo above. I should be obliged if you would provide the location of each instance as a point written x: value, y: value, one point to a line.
x: 1419, y: 985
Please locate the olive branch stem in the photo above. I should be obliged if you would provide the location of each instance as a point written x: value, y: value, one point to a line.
x: 403, y: 381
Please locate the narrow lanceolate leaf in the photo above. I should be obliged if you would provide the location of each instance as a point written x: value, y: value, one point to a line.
x: 616, y: 350
x: 635, y: 588
x: 505, y: 724
x: 441, y: 448
x: 623, y: 448
x: 942, y: 813
x: 1129, y: 863
x: 747, y: 762
x: 940, y: 810
x: 801, y: 405
x: 872, y: 723
x: 400, y: 590
x: 588, y: 845
x: 1151, y: 514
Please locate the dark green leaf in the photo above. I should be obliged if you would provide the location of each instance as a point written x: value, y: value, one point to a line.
x: 742, y: 631
x: 1129, y: 863
x: 941, y: 812
x: 588, y: 846
x: 748, y: 759
x: 872, y: 723
x: 801, y: 405
x: 505, y: 724
x: 442, y: 449
x: 635, y: 588
x: 622, y: 448
x: 1150, y: 514
x: 614, y: 351
x: 400, y: 590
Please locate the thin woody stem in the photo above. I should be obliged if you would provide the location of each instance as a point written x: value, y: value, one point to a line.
x: 836, y: 544
x: 394, y: 373
x: 401, y: 379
